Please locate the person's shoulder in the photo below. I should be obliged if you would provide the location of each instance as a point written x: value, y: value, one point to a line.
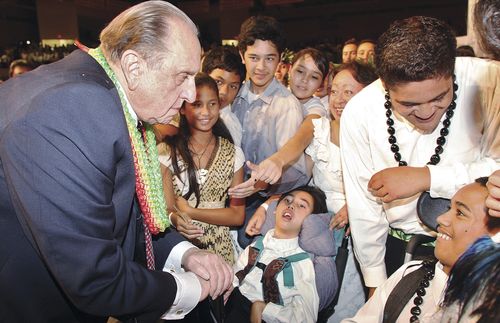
x: 484, y: 72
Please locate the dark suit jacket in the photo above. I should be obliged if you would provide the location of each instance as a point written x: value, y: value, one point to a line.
x: 68, y: 228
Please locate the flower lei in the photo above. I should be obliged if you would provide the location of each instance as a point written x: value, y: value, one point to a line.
x: 148, y: 180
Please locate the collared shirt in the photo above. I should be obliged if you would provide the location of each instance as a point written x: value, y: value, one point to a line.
x: 314, y: 106
x: 188, y: 285
x: 233, y: 124
x: 300, y: 302
x: 472, y: 150
x: 373, y: 310
x: 268, y: 123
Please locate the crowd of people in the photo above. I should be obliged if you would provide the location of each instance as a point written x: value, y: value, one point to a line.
x: 143, y: 181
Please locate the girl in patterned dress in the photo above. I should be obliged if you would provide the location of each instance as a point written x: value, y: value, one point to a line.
x: 199, y: 165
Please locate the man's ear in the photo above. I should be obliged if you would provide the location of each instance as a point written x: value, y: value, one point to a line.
x: 242, y: 55
x: 133, y: 68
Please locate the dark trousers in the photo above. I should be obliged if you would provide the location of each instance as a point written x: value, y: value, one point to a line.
x: 395, y: 250
x: 237, y: 309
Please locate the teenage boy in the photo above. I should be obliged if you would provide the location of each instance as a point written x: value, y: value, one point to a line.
x: 269, y: 113
x: 295, y: 298
x: 431, y: 123
x: 224, y: 65
x: 465, y: 222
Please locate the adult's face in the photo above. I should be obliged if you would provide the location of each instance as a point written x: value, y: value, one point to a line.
x: 365, y: 52
x: 261, y: 60
x: 349, y: 53
x: 423, y: 103
x: 344, y: 87
x: 228, y: 84
x: 161, y: 91
x: 463, y: 224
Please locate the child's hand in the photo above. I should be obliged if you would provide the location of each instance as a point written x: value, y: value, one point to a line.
x: 251, y: 186
x: 186, y: 227
x: 182, y: 204
x: 256, y: 221
x: 256, y: 311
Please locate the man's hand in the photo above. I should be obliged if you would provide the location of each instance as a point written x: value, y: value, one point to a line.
x: 251, y: 186
x: 256, y: 221
x: 399, y: 182
x: 256, y: 311
x: 205, y: 287
x: 211, y: 268
x: 340, y: 219
x: 493, y: 199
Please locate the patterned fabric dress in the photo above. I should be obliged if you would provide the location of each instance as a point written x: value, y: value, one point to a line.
x: 214, y: 183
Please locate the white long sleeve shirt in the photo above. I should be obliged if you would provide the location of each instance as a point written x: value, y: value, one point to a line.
x: 301, y: 302
x: 472, y: 150
x: 373, y: 310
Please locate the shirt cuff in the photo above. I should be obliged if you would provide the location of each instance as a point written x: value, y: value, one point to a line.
x: 271, y: 311
x: 374, y: 276
x: 174, y: 259
x: 445, y: 180
x: 187, y: 296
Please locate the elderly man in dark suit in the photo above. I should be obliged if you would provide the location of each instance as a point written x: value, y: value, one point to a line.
x: 77, y: 178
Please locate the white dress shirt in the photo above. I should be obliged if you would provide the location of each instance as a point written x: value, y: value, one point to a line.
x: 472, y: 150
x: 373, y: 310
x: 300, y: 302
x: 232, y: 123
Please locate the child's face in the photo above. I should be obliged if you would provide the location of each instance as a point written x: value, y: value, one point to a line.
x: 204, y: 111
x: 305, y: 78
x: 228, y: 84
x: 261, y: 60
x: 462, y: 224
x: 281, y: 71
x: 291, y: 213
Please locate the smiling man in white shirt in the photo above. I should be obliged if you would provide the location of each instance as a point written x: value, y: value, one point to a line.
x: 429, y: 124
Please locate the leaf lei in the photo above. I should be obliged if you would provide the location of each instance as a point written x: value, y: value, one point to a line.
x: 148, y: 179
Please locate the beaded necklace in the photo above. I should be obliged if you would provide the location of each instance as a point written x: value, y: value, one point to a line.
x: 429, y: 267
x: 435, y: 158
x: 148, y: 180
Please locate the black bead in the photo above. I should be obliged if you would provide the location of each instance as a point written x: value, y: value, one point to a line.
x: 415, y: 310
x: 397, y: 156
x: 403, y: 163
x: 449, y: 113
x: 446, y: 122
x: 392, y: 139
x: 438, y: 150
x: 454, y: 96
x: 441, y: 140
x: 387, y: 104
x: 452, y: 105
x: 424, y: 283
x: 387, y: 97
x: 455, y: 86
x: 429, y: 276
x: 390, y: 122
x: 388, y: 113
x: 444, y: 132
x: 421, y: 292
x: 413, y: 318
x: 418, y: 300
x: 394, y: 148
x: 391, y: 130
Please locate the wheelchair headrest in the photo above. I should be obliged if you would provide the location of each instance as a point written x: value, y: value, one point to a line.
x: 429, y: 208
